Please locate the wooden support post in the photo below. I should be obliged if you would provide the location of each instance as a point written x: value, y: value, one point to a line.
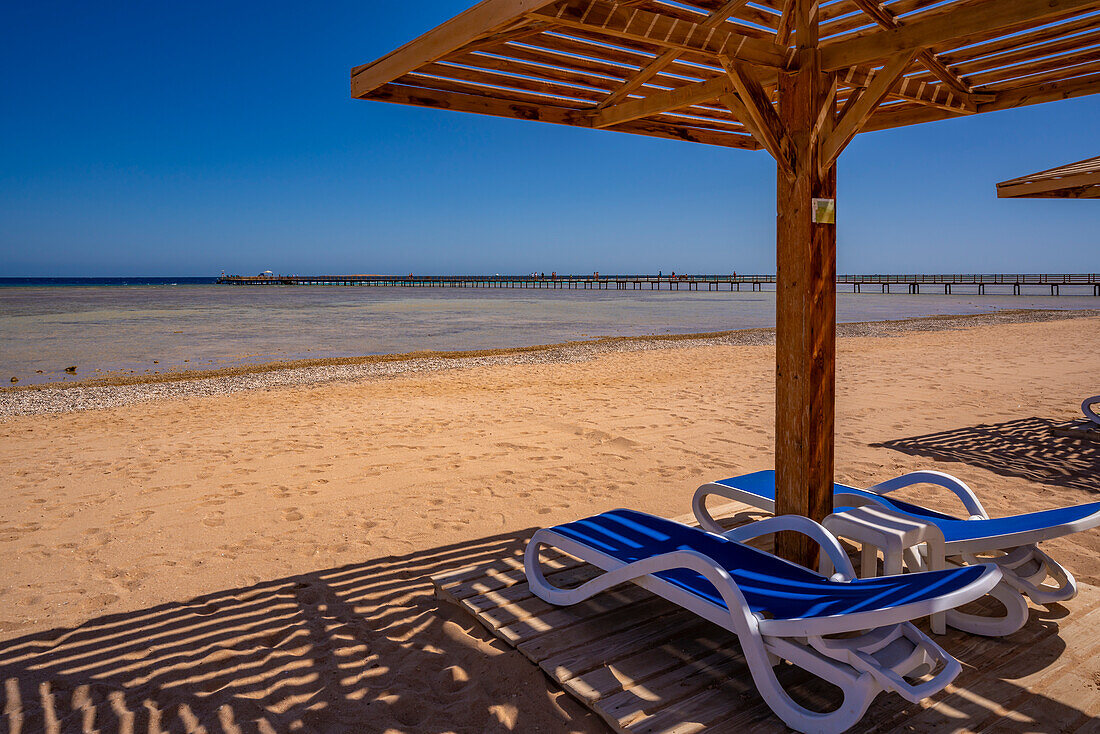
x: 805, y: 298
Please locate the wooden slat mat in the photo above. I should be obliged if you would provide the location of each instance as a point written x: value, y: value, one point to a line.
x: 646, y: 666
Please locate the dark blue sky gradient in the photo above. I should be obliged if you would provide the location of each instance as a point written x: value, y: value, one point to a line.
x: 183, y: 138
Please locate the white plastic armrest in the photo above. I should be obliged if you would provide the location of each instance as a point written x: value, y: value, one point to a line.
x: 806, y: 526
x: 692, y: 560
x: 940, y: 479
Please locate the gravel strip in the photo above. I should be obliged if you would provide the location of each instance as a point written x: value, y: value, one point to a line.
x: 32, y: 401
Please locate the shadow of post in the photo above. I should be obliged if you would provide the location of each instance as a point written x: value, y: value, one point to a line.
x: 360, y: 648
x: 1027, y: 448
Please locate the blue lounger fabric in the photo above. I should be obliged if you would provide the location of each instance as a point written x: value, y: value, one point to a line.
x: 771, y: 586
x: 762, y: 483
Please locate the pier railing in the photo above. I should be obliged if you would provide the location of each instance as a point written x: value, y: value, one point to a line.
x: 597, y: 281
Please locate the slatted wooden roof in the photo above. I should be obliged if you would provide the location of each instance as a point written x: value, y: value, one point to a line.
x: 1079, y: 180
x: 661, y: 68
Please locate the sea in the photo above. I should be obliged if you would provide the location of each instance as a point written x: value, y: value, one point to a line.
x: 121, y: 326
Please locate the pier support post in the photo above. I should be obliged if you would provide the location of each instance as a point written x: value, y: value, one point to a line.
x: 805, y: 300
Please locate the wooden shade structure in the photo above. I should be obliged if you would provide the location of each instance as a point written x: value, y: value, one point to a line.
x: 1079, y: 180
x: 797, y: 78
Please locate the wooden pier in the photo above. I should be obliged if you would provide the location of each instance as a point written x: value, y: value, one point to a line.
x: 974, y: 283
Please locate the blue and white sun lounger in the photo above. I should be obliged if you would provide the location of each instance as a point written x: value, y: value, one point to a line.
x: 1009, y: 542
x: 779, y: 610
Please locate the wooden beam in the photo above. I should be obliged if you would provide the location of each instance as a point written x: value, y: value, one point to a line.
x: 762, y: 121
x: 939, y: 70
x: 855, y: 118
x: 620, y: 21
x: 502, y: 37
x: 827, y: 114
x: 658, y: 102
x: 482, y: 105
x: 783, y: 30
x: 438, y: 42
x: 933, y: 95
x: 1021, y: 97
x: 885, y: 18
x: 805, y: 334
x: 919, y: 34
x: 660, y: 63
x: 644, y: 74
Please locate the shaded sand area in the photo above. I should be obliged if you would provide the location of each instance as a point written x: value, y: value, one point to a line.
x: 258, y: 560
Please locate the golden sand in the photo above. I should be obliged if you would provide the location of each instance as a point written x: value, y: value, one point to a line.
x: 311, y: 515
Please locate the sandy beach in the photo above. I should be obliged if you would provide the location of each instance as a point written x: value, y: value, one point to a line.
x: 255, y: 558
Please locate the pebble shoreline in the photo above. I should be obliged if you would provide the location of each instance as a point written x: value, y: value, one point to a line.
x: 64, y: 399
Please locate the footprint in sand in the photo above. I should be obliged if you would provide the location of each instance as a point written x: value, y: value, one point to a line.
x: 291, y: 514
x: 214, y: 519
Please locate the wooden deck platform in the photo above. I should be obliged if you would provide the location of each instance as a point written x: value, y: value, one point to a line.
x: 646, y: 666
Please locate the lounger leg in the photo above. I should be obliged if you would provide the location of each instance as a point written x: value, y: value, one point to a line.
x: 935, y: 556
x: 868, y: 561
x: 1014, y: 618
x: 891, y: 563
x: 1027, y: 569
x: 859, y: 691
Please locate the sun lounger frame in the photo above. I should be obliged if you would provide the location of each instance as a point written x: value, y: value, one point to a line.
x: 1026, y: 569
x: 888, y: 649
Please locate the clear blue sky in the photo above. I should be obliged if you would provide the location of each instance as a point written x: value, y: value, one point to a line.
x: 141, y: 138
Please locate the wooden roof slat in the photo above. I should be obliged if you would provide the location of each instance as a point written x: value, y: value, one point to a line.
x: 662, y: 101
x: 886, y: 18
x: 1056, y: 63
x: 516, y: 66
x: 495, y: 78
x: 1078, y: 43
x: 440, y: 41
x: 942, y: 24
x: 960, y: 42
x: 1029, y: 54
x: 657, y: 65
x: 1017, y: 96
x: 858, y: 18
x: 498, y: 90
x: 829, y: 10
x: 747, y: 13
x: 1016, y: 52
x: 530, y: 54
x: 729, y: 125
x: 857, y: 114
x: 1021, y: 40
x: 1061, y: 74
x: 613, y: 19
x: 541, y: 111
